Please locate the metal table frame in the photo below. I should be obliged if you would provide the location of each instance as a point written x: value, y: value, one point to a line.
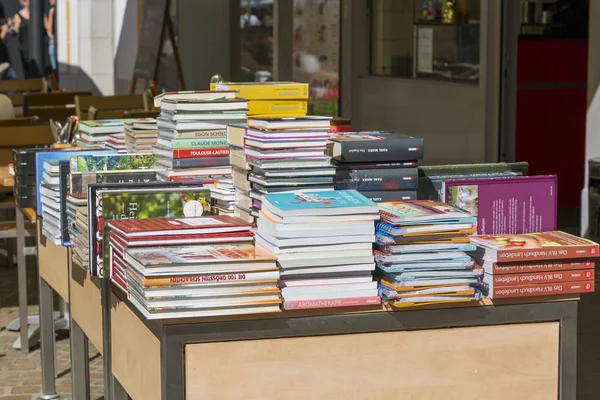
x: 174, y: 337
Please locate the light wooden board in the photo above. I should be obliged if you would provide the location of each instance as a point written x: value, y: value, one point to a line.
x: 497, y: 362
x: 53, y: 264
x: 135, y: 354
x: 86, y: 304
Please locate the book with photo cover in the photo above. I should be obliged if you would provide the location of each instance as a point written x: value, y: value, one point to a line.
x: 81, y: 180
x: 115, y: 162
x: 149, y: 228
x: 332, y: 202
x: 411, y: 212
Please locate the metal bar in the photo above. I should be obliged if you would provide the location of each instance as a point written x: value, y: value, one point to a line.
x: 568, y: 355
x: 80, y: 366
x: 119, y: 393
x: 283, y: 43
x: 106, y: 339
x: 22, y: 278
x: 47, y: 340
x: 172, y: 368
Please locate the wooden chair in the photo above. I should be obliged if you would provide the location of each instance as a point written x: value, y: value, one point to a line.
x: 57, y: 105
x: 142, y: 114
x: 16, y: 88
x: 22, y: 137
x: 21, y: 121
x: 105, y: 105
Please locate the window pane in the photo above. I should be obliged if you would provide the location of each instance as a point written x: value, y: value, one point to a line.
x: 426, y: 39
x: 256, y: 24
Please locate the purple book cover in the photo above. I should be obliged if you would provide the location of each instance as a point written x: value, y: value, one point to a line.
x: 512, y: 205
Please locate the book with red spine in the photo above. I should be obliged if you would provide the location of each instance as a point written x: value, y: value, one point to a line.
x: 534, y: 266
x: 201, y: 153
x: 148, y: 228
x: 331, y: 303
x: 205, y: 280
x: 542, y: 277
x: 120, y: 242
x: 554, y: 245
x: 535, y: 289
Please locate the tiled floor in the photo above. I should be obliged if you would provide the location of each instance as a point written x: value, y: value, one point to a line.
x: 20, y: 374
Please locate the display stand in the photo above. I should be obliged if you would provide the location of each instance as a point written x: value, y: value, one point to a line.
x: 521, y: 350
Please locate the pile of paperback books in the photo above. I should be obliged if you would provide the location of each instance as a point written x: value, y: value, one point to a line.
x: 421, y: 256
x: 97, y: 133
x: 192, y: 267
x: 140, y: 135
x: 52, y: 193
x: 323, y: 243
x: 283, y: 154
x: 381, y: 165
x: 535, y: 264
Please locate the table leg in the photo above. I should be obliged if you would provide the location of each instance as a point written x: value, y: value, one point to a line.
x: 22, y: 278
x: 568, y: 355
x: 47, y: 341
x: 80, y: 366
x: 106, y: 340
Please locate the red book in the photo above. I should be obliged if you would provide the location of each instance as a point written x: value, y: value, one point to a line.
x: 542, y: 277
x: 200, y: 153
x: 331, y: 303
x: 534, y: 290
x: 120, y: 241
x: 148, y: 228
x: 554, y: 245
x: 534, y: 266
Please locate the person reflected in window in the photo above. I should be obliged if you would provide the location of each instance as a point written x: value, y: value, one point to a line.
x: 247, y: 19
x: 50, y: 26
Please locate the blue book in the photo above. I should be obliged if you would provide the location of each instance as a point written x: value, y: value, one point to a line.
x: 317, y: 202
x: 63, y: 155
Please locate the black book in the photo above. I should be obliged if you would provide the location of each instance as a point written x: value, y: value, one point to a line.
x: 380, y: 196
x: 24, y: 191
x: 25, y: 180
x: 374, y: 165
x: 64, y: 170
x: 377, y: 179
x: 375, y: 147
x: 81, y: 180
x: 193, y: 162
x: 278, y: 189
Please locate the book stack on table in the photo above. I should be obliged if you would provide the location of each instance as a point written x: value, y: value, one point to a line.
x: 53, y: 189
x: 78, y: 227
x: 116, y: 141
x: 240, y: 169
x: 535, y: 264
x: 421, y: 256
x: 323, y: 243
x: 381, y: 165
x: 283, y: 154
x: 270, y: 99
x: 192, y: 267
x: 140, y: 135
x: 96, y: 133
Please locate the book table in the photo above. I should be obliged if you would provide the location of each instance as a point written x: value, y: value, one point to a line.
x: 506, y: 350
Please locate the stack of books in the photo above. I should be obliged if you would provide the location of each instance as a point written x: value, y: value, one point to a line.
x: 283, y: 154
x: 116, y: 141
x: 381, y: 165
x: 535, y: 264
x: 96, y: 133
x: 140, y: 135
x: 323, y: 243
x: 271, y: 99
x: 53, y: 189
x: 78, y: 227
x: 422, y: 255
x: 240, y: 169
x: 192, y: 267
x: 192, y: 129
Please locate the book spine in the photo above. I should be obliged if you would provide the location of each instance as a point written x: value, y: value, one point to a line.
x: 379, y: 196
x: 553, y: 253
x: 376, y: 179
x: 212, y: 134
x: 531, y: 267
x: 381, y: 150
x: 276, y: 107
x: 217, y: 278
x: 200, y: 143
x: 203, y: 153
x: 331, y: 303
x: 200, y: 162
x: 269, y: 92
x: 543, y: 277
x: 548, y: 289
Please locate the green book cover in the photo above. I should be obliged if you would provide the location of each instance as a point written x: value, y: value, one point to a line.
x: 115, y: 162
x: 143, y: 204
x: 198, y: 143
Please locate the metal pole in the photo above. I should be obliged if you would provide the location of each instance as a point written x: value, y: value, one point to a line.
x: 47, y: 340
x: 36, y: 34
x: 22, y: 281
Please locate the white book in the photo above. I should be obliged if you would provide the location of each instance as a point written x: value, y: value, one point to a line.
x: 293, y: 283
x: 334, y: 270
x: 332, y: 295
x: 311, y: 241
x: 313, y: 230
x: 324, y: 262
x: 323, y: 219
x: 337, y: 247
x: 349, y: 287
x: 52, y: 180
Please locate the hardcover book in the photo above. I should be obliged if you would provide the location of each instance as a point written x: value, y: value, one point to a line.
x: 534, y: 266
x: 64, y: 190
x: 406, y: 213
x: 98, y: 127
x: 267, y: 90
x: 375, y: 147
x: 535, y: 289
x: 384, y: 196
x: 544, y: 246
x: 148, y: 228
x: 117, y: 162
x: 507, y: 205
x: 81, y: 180
x: 376, y: 179
x: 318, y: 203
x: 198, y: 162
x: 542, y: 277
x: 196, y: 143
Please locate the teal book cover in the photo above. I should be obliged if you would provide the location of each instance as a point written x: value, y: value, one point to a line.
x: 326, y: 199
x: 143, y: 204
x: 198, y: 143
x: 116, y: 162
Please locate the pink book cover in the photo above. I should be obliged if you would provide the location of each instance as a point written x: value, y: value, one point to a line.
x: 331, y: 303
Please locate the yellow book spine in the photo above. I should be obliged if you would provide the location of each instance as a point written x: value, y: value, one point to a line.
x: 283, y: 107
x: 296, y: 91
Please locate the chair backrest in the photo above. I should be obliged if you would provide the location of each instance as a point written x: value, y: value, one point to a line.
x: 107, y: 103
x: 58, y: 105
x: 141, y: 114
x: 20, y: 121
x: 7, y: 111
x: 22, y: 137
x: 16, y: 88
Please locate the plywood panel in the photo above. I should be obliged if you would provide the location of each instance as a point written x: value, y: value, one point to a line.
x: 53, y: 264
x: 135, y: 354
x: 501, y: 362
x: 86, y: 304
